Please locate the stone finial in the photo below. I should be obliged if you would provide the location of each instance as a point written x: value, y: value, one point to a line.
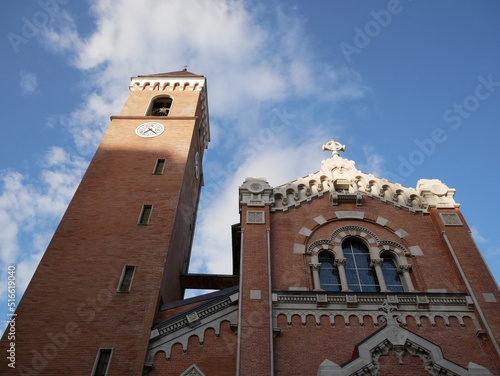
x: 334, y: 147
x: 256, y: 192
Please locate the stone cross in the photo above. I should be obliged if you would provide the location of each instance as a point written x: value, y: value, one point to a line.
x: 334, y: 147
x: 388, y: 308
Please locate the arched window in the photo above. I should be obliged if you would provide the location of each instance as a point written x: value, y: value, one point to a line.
x: 391, y: 275
x: 360, y: 276
x: 160, y: 106
x: 328, y: 275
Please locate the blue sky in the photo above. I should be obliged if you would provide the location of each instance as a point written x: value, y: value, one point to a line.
x: 411, y: 87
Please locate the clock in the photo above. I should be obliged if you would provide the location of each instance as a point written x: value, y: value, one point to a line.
x: 151, y: 129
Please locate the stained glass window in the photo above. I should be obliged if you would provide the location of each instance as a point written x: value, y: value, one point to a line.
x: 391, y: 275
x: 328, y: 275
x: 360, y: 276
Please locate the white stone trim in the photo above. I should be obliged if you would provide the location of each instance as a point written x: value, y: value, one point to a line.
x: 427, y: 195
x: 255, y: 294
x: 305, y: 231
x: 350, y: 215
x: 299, y: 248
x: 401, y: 233
x: 400, y: 341
x: 489, y: 297
x: 161, y: 83
x: 415, y: 250
x: 382, y: 221
x: 163, y: 338
x: 193, y: 371
x: 320, y: 220
x: 256, y: 217
x: 450, y: 219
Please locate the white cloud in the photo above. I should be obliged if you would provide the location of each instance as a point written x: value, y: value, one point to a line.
x: 374, y: 162
x: 477, y: 236
x: 248, y: 62
x: 256, y: 70
x: 28, y: 83
x: 28, y: 213
x: 280, y: 164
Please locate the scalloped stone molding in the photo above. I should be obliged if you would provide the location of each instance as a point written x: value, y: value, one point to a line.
x: 339, y: 176
x: 345, y: 231
x: 418, y: 307
x: 165, y: 84
x: 194, y: 323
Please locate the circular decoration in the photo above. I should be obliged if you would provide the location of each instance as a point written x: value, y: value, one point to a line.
x: 438, y: 189
x: 255, y: 187
x: 150, y: 129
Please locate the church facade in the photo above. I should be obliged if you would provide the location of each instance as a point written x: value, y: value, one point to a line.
x: 335, y: 273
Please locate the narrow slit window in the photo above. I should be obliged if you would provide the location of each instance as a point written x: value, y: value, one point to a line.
x: 126, y: 280
x: 160, y: 165
x: 102, y: 362
x: 145, y: 214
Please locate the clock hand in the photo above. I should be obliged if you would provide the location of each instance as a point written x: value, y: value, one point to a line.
x: 150, y: 129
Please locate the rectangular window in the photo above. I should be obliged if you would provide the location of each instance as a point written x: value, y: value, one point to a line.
x: 102, y: 362
x: 145, y: 214
x: 160, y: 165
x: 126, y: 280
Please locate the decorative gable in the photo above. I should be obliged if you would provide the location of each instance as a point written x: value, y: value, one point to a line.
x: 401, y: 342
x: 340, y: 178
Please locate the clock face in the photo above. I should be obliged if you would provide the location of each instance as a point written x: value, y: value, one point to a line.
x: 151, y: 129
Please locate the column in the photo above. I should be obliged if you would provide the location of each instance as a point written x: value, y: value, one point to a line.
x: 315, y: 268
x: 377, y: 264
x: 340, y: 264
x: 405, y: 271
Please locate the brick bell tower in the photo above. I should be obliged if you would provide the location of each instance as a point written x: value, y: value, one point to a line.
x: 123, y: 241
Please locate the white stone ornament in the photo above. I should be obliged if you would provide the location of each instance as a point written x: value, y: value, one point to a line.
x: 438, y: 189
x: 150, y: 129
x: 334, y: 147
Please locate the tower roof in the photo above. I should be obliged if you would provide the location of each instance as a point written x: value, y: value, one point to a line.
x: 182, y: 73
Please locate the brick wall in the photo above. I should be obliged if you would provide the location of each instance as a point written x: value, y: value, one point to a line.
x: 71, y: 307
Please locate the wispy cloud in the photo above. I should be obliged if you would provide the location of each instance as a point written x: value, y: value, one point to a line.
x: 477, y: 236
x: 28, y: 83
x: 28, y: 212
x: 212, y: 250
x: 249, y: 63
x: 374, y: 162
x: 253, y: 66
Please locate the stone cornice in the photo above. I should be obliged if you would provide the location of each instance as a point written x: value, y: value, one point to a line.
x: 119, y: 117
x: 167, y: 83
x: 339, y: 178
x: 195, y: 321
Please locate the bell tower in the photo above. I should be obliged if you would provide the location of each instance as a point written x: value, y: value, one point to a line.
x: 124, y: 240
